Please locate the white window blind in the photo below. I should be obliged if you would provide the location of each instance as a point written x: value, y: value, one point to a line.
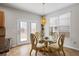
x: 33, y: 27
x: 64, y: 19
x: 61, y: 22
x: 54, y: 21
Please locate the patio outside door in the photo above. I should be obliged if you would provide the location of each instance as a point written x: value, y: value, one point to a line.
x: 22, y: 33
x: 33, y: 27
x: 24, y: 29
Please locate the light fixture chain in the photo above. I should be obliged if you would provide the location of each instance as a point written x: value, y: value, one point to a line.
x: 43, y: 8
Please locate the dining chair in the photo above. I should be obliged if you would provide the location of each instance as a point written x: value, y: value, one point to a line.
x: 58, y: 47
x: 54, y: 38
x: 34, y: 45
x: 38, y: 35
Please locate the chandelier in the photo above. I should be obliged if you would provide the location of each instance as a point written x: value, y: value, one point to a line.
x: 43, y: 19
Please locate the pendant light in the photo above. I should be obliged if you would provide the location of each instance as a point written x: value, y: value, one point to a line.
x: 43, y: 19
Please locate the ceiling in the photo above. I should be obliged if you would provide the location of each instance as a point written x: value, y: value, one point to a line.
x: 39, y: 8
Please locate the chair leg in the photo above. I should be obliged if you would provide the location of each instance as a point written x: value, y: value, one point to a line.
x: 36, y: 53
x: 49, y: 53
x: 31, y: 52
x: 63, y: 52
x: 59, y: 53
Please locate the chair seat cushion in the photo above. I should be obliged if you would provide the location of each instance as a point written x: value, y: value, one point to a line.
x: 40, y: 45
x: 55, y: 45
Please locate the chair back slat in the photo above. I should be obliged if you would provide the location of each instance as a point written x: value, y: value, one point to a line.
x: 61, y: 40
x: 38, y: 35
x: 33, y: 40
x: 55, y: 36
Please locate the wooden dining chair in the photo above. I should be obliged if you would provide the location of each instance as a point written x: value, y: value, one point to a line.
x: 58, y: 47
x: 34, y: 43
x: 38, y: 35
x: 55, y: 36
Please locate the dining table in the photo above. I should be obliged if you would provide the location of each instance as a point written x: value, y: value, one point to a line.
x: 47, y: 41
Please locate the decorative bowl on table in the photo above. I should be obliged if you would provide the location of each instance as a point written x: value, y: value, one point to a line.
x: 46, y: 38
x: 41, y: 41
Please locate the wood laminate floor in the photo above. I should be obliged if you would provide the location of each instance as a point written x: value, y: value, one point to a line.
x: 25, y: 49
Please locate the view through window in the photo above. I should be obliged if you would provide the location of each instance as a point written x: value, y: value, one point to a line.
x: 60, y: 23
x: 33, y: 27
x: 23, y: 32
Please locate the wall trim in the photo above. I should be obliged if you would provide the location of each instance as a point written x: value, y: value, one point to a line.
x: 18, y: 45
x: 12, y: 46
x: 72, y: 48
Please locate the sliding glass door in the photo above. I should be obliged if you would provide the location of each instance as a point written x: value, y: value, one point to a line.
x: 24, y: 28
x: 23, y: 31
x: 33, y: 27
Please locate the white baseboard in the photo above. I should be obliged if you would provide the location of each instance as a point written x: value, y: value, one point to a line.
x: 72, y: 47
x: 18, y: 45
x: 13, y: 46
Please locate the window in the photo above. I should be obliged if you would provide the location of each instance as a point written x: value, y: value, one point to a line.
x: 23, y: 31
x: 33, y: 27
x: 53, y: 23
x: 64, y: 22
x: 60, y: 23
x: 64, y: 19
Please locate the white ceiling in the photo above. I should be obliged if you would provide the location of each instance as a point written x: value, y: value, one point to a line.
x: 39, y: 8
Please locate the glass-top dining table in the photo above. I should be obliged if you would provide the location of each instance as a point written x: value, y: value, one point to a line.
x: 47, y: 41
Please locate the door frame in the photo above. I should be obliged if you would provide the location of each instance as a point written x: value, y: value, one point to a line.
x: 18, y: 33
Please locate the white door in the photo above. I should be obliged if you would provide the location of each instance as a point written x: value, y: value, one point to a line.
x: 33, y: 27
x: 24, y: 29
x: 22, y: 33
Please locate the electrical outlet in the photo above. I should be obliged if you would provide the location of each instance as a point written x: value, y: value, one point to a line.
x: 74, y: 42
